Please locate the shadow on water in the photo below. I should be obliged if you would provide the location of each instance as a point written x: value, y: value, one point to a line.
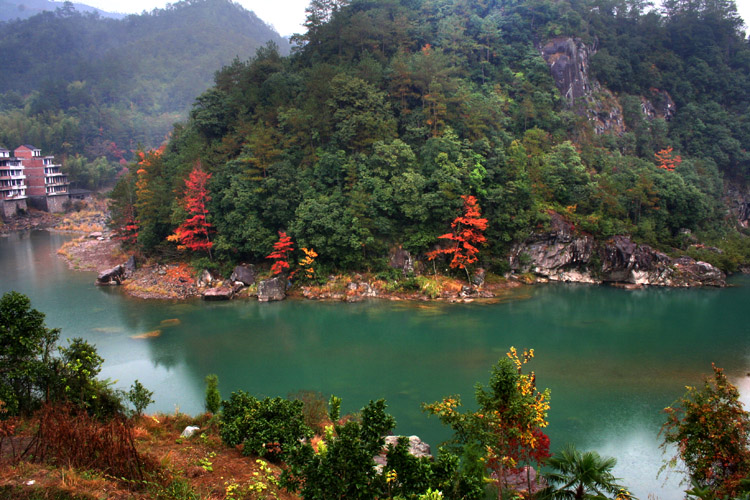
x: 612, y: 358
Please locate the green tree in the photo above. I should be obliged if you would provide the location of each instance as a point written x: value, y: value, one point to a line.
x: 343, y: 467
x: 79, y: 366
x: 26, y: 346
x: 270, y: 427
x: 139, y: 397
x: 712, y: 432
x: 213, y: 397
x: 508, y: 424
x: 582, y: 476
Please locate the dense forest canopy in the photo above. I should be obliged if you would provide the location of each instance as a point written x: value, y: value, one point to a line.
x: 389, y: 111
x: 78, y: 84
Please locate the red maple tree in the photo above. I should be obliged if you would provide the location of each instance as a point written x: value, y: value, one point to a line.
x: 128, y: 233
x: 467, y: 234
x: 280, y: 250
x: 665, y: 160
x: 195, y: 231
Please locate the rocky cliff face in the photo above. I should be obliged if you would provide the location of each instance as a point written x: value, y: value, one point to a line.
x: 737, y: 198
x: 562, y: 255
x: 568, y: 60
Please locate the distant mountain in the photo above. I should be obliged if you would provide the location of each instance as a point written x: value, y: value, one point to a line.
x: 100, y: 81
x: 23, y: 9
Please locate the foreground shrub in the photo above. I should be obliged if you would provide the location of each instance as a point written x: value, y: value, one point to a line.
x: 711, y: 431
x: 26, y: 345
x: 269, y: 428
x: 69, y: 437
x: 213, y: 396
x: 343, y: 464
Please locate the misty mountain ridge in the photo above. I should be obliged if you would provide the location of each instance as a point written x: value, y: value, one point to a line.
x: 100, y: 81
x: 23, y: 9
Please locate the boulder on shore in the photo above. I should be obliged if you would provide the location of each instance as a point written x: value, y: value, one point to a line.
x: 243, y: 274
x: 131, y: 265
x: 402, y: 260
x: 112, y: 276
x: 272, y: 289
x: 205, y: 279
x: 218, y: 293
x: 416, y: 448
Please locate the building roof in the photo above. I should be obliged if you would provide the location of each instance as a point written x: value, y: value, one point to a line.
x: 27, y: 146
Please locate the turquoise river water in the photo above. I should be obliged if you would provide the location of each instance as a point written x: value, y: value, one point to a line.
x: 612, y: 358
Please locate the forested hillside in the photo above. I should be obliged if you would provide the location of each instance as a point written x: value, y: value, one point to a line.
x: 390, y: 111
x: 77, y: 84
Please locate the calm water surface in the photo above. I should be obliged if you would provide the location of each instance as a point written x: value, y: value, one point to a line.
x: 612, y: 358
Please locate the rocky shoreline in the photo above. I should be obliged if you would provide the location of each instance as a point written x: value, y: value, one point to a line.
x: 558, y: 254
x: 35, y: 219
x: 561, y: 254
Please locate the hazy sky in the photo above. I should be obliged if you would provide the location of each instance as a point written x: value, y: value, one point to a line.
x: 284, y: 15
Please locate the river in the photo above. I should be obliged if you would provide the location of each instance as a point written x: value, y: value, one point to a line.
x: 612, y: 358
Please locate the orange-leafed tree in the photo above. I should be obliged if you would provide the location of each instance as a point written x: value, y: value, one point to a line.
x: 468, y: 232
x: 665, y: 160
x: 307, y: 264
x: 280, y: 250
x: 194, y: 234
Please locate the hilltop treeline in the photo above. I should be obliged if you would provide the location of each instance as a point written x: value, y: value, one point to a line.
x: 389, y: 111
x: 78, y: 84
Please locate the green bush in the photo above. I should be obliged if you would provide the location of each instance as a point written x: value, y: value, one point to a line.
x: 25, y: 356
x: 213, y: 397
x: 79, y: 366
x: 139, y: 397
x: 343, y: 465
x: 269, y: 428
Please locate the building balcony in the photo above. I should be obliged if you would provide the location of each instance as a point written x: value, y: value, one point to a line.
x: 56, y: 182
x: 7, y: 195
x: 4, y: 176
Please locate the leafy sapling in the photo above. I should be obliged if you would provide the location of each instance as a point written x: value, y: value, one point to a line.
x: 213, y: 397
x: 139, y: 397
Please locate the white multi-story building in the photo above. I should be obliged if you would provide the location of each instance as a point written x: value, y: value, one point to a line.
x: 12, y: 185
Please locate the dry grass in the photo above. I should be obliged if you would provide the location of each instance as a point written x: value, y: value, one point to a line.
x: 88, y: 254
x: 201, y: 464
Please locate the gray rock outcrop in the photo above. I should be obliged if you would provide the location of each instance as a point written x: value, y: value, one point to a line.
x: 568, y: 61
x: 243, y: 274
x: 272, y: 289
x: 130, y: 266
x: 218, y: 293
x: 205, y: 279
x: 401, y: 259
x: 562, y: 255
x: 112, y: 276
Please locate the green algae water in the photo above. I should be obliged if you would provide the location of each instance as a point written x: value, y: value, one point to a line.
x: 612, y: 358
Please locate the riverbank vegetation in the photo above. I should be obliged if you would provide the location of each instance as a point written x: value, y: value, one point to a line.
x: 366, y: 139
x: 66, y: 434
